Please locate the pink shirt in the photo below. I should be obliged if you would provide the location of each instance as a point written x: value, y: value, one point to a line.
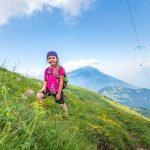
x: 52, y: 81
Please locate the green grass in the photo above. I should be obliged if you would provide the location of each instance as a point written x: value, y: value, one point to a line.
x: 145, y: 112
x: 94, y: 121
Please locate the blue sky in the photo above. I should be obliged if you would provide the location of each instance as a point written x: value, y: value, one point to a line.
x: 83, y: 32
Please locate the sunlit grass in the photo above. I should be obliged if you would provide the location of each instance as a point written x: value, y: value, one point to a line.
x: 93, y: 121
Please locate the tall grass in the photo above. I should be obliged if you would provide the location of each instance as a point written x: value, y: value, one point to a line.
x: 93, y: 122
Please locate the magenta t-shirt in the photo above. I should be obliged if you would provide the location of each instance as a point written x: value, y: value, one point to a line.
x: 52, y: 81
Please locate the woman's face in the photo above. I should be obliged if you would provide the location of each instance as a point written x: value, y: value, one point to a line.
x: 52, y: 60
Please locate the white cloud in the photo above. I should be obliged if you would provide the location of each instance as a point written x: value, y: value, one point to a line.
x: 72, y: 65
x: 14, y: 8
x: 34, y: 72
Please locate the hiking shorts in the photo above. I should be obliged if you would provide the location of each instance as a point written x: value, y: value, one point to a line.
x: 47, y: 93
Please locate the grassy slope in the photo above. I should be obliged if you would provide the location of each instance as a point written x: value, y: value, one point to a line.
x: 145, y: 112
x: 94, y: 121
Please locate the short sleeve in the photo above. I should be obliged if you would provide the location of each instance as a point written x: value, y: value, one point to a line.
x: 61, y: 71
x: 45, y: 75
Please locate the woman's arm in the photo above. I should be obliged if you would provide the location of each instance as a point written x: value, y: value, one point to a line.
x: 44, y: 87
x: 61, y: 78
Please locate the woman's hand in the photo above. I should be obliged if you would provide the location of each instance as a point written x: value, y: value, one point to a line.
x: 58, y: 96
x: 41, y: 90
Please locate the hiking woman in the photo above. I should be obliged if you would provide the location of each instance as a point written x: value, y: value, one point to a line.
x: 53, y: 81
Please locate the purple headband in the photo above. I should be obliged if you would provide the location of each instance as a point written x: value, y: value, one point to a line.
x: 51, y: 53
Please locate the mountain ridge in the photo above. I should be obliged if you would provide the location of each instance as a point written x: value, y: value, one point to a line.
x: 92, y: 79
x: 139, y: 98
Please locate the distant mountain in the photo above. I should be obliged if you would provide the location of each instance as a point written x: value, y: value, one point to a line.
x: 131, y: 97
x: 91, y: 78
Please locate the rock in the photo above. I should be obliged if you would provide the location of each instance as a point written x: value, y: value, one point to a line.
x: 29, y: 93
x: 18, y: 79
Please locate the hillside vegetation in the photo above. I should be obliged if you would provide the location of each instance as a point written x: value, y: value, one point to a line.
x: 93, y: 121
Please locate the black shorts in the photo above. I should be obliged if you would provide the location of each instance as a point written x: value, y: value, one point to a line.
x: 60, y: 101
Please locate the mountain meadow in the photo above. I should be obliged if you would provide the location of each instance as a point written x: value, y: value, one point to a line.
x: 93, y: 121
x: 93, y: 79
